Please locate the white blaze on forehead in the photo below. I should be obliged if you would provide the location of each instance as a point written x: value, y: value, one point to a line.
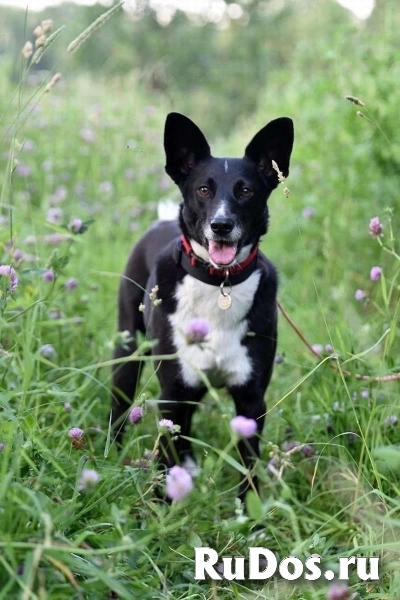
x: 226, y: 166
x: 221, y: 211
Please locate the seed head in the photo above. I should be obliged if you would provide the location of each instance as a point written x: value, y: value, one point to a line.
x: 27, y: 50
x: 355, y: 100
x: 40, y: 41
x: 38, y: 31
x: 56, y: 77
x: 47, y: 25
x: 77, y: 42
x: 281, y: 177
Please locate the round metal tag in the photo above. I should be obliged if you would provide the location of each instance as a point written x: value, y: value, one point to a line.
x: 224, y: 301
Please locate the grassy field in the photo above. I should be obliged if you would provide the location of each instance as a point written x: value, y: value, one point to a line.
x: 92, y: 150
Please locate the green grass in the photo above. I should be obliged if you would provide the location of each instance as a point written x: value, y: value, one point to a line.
x: 58, y: 542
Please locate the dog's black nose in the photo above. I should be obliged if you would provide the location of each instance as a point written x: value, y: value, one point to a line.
x: 222, y: 225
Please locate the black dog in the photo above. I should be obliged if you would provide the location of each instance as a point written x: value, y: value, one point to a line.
x: 208, y: 266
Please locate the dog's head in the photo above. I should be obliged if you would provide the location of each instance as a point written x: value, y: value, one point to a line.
x: 224, y: 210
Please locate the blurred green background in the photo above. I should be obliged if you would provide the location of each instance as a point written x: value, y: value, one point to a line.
x: 218, y: 64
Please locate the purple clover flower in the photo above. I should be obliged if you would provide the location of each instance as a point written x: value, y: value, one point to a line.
x: 71, y: 284
x: 75, y: 433
x: 338, y: 591
x: 59, y: 195
x: 56, y: 238
x: 47, y: 165
x: 75, y: 225
x: 243, y: 426
x: 179, y: 483
x: 23, y: 170
x: 48, y: 276
x: 8, y: 271
x: 279, y: 359
x: 375, y: 227
x: 308, y: 450
x: 55, y: 215
x: 318, y: 348
x: 18, y: 254
x: 360, y: 295
x: 290, y: 445
x: 29, y: 145
x: 48, y: 351
x: 106, y: 187
x: 375, y: 273
x: 88, y: 479
x: 136, y: 415
x: 167, y: 423
x: 197, y: 331
x: 308, y: 212
x: 129, y: 174
x: 88, y: 135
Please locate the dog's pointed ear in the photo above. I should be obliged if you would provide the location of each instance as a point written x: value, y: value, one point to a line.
x: 272, y: 142
x: 184, y: 144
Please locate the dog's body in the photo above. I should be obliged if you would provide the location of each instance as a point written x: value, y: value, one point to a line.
x: 222, y: 218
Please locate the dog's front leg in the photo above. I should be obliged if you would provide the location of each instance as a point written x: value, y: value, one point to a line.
x: 178, y: 403
x: 249, y: 402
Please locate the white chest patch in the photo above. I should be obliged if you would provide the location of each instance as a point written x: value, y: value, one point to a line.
x: 222, y: 358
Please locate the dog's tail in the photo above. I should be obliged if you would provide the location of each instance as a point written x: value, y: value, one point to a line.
x: 167, y: 210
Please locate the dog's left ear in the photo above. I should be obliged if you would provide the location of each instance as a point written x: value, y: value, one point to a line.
x: 184, y: 144
x: 272, y: 142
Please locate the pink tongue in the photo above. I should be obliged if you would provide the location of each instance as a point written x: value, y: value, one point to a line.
x: 221, y: 254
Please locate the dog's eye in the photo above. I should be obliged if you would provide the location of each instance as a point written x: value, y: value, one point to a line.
x: 203, y: 190
x: 246, y: 192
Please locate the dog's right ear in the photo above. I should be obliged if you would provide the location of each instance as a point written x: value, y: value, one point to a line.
x: 184, y: 144
x: 273, y: 143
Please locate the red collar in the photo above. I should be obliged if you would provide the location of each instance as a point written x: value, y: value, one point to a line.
x: 239, y: 269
